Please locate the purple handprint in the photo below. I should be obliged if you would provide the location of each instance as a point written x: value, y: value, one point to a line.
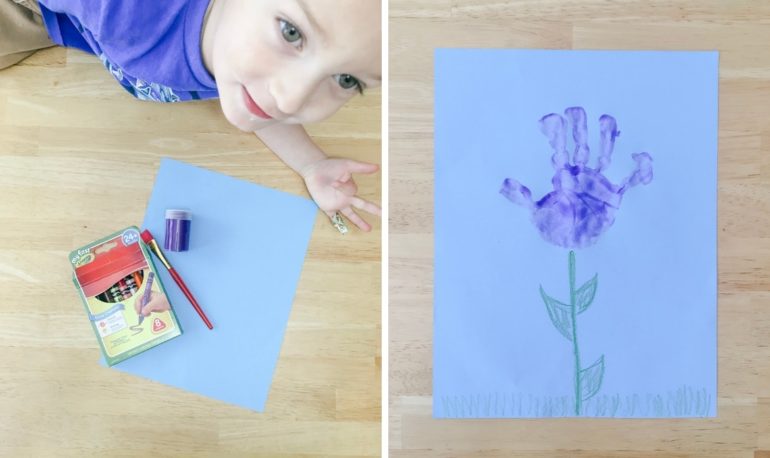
x: 583, y: 202
x: 580, y: 208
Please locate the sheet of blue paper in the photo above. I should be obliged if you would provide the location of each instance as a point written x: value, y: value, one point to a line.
x: 247, y: 247
x: 572, y: 279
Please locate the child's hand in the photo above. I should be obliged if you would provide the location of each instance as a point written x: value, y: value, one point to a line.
x: 157, y: 303
x: 331, y: 185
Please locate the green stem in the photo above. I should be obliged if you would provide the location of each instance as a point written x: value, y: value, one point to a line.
x: 573, y: 307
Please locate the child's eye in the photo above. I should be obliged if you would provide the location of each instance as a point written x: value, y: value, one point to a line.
x: 349, y: 82
x: 290, y: 33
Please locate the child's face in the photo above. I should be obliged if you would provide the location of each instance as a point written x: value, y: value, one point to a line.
x: 291, y: 61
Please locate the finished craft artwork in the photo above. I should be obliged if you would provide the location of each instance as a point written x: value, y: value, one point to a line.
x: 595, y: 294
x: 580, y: 208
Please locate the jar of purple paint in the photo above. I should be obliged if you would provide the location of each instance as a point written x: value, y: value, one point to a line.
x: 177, y: 230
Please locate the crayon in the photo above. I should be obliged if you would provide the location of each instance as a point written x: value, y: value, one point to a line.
x: 131, y: 284
x: 125, y: 291
x: 138, y: 277
x: 146, y: 296
x: 115, y: 294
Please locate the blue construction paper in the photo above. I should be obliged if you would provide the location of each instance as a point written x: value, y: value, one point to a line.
x: 497, y: 350
x: 247, y: 247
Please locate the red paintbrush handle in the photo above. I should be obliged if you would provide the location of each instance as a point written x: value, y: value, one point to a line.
x: 190, y: 297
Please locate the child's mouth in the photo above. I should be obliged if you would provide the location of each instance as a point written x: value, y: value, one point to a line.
x: 252, y: 106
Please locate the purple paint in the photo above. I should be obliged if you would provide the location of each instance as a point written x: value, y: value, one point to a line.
x: 178, y: 224
x: 583, y: 204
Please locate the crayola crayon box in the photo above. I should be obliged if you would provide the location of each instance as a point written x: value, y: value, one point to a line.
x: 118, y: 284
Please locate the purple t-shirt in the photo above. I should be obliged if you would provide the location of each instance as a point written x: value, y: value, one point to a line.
x: 151, y: 48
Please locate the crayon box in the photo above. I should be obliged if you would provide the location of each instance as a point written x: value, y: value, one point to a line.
x: 118, y: 284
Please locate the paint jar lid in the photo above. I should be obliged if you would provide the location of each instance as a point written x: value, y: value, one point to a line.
x: 178, y: 214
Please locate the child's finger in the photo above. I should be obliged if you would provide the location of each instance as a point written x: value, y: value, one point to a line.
x: 355, y: 219
x: 361, y: 167
x: 152, y: 306
x: 366, y: 206
x: 140, y: 303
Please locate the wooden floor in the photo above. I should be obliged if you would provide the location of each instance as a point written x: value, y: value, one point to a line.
x: 78, y: 157
x: 740, y: 30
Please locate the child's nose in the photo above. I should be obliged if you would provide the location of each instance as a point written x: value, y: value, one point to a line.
x: 291, y: 93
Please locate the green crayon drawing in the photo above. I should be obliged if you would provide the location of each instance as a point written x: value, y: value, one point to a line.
x: 588, y: 381
x: 685, y: 401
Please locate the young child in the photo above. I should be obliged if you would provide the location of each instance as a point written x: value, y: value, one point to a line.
x: 274, y: 65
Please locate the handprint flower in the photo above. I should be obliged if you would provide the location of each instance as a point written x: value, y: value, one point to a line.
x: 580, y: 208
x: 583, y: 202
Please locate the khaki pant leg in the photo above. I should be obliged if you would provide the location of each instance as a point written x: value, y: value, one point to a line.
x: 22, y: 31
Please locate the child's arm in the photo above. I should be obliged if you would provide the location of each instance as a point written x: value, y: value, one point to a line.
x: 328, y: 180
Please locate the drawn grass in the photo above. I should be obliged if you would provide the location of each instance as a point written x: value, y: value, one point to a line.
x: 682, y: 402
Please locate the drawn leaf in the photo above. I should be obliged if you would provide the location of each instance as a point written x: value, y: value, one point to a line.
x: 585, y: 294
x: 559, y: 313
x: 591, y: 378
